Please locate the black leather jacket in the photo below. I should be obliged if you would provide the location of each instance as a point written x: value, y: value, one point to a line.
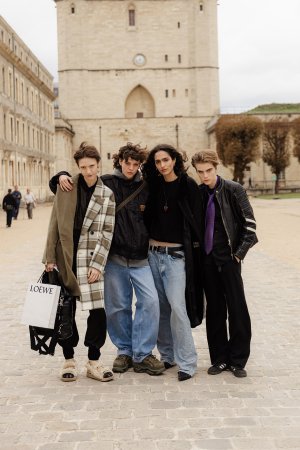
x: 130, y: 239
x: 237, y: 214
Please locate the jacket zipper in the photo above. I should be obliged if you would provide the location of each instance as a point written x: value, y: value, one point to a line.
x: 228, y: 237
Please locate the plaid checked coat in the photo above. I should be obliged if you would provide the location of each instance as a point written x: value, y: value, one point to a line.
x: 94, y: 242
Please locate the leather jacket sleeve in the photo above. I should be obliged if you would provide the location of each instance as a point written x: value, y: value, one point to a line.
x: 54, y: 180
x: 247, y: 236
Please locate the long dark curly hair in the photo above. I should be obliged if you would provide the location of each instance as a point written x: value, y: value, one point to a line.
x: 150, y: 173
x: 132, y: 151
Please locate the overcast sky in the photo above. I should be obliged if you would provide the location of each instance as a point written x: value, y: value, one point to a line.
x: 259, y: 46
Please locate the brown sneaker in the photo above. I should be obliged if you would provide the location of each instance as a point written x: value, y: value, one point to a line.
x: 150, y: 365
x: 122, y: 363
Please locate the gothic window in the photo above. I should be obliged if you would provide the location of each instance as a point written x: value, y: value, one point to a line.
x: 131, y: 16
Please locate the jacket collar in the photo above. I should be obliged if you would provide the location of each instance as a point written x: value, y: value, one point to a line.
x: 118, y: 173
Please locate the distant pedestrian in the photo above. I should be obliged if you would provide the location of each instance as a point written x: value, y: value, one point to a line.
x: 250, y: 183
x: 8, y: 205
x: 30, y: 202
x: 17, y: 196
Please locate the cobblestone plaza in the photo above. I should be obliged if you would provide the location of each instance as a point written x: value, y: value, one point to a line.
x: 137, y: 411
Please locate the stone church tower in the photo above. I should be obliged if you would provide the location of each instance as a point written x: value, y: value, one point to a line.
x: 144, y: 71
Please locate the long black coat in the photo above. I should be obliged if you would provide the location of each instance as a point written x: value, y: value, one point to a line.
x: 190, y: 203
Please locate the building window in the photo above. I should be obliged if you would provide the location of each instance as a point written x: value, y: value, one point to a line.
x: 174, y: 92
x: 4, y: 126
x: 139, y: 115
x: 11, y: 129
x: 17, y: 90
x: 108, y: 156
x: 179, y: 59
x: 186, y: 92
x: 3, y: 80
x: 131, y: 17
x: 18, y: 132
x: 201, y: 7
x: 178, y: 24
x: 166, y: 58
x: 10, y: 84
x: 72, y: 9
x: 166, y: 93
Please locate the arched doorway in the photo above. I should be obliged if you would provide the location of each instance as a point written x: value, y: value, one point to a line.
x: 139, y: 103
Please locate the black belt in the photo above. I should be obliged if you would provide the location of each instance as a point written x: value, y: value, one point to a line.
x: 168, y: 250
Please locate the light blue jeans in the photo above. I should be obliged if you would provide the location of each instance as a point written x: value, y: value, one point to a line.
x: 133, y: 336
x: 175, y: 339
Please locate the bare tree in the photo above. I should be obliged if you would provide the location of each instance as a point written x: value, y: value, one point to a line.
x: 295, y: 124
x: 276, y: 146
x: 238, y: 138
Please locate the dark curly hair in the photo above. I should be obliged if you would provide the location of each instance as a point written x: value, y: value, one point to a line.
x: 86, y: 151
x: 132, y: 151
x: 149, y: 170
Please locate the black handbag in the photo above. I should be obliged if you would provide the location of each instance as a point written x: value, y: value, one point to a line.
x: 44, y: 340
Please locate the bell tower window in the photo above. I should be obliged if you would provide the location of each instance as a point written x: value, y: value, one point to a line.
x: 131, y: 17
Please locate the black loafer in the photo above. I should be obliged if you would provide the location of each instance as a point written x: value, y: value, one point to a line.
x: 182, y: 376
x: 217, y: 368
x: 238, y: 372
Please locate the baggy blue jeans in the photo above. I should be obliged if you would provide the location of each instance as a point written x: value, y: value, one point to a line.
x: 133, y: 336
x: 175, y: 339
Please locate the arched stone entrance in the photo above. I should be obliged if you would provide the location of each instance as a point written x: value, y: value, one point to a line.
x: 139, y: 103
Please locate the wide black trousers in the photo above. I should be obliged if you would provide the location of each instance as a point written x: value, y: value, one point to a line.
x: 225, y: 298
x: 95, y: 335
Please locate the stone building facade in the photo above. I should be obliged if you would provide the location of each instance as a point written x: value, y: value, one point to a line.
x: 26, y: 117
x: 144, y: 71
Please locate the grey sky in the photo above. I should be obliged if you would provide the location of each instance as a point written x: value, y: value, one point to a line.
x: 259, y: 46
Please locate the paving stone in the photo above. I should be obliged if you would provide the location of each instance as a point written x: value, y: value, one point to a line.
x: 212, y: 444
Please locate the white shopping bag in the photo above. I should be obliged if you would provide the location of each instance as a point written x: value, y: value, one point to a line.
x: 40, y: 305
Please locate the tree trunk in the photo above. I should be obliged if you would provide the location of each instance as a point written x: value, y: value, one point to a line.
x: 277, y: 183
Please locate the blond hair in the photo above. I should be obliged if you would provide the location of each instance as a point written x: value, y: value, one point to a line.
x: 206, y: 156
